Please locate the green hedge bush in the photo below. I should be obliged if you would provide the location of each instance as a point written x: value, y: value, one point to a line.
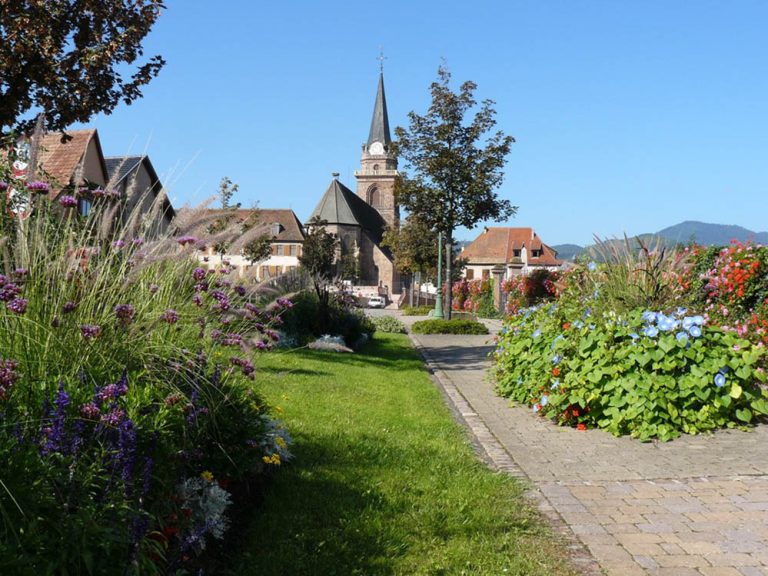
x: 417, y: 310
x: 389, y: 324
x: 439, y: 326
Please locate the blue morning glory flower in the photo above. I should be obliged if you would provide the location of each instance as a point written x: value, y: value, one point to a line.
x: 698, y: 320
x: 634, y: 335
x: 649, y: 316
x: 681, y: 336
x: 587, y: 313
x: 536, y: 333
x: 694, y: 331
x: 556, y: 359
x: 592, y: 266
x: 688, y: 322
x: 666, y: 323
x: 719, y: 379
x: 536, y: 407
x: 578, y: 324
x: 591, y: 326
x: 680, y: 311
x: 651, y: 331
x: 555, y: 385
x: 544, y: 400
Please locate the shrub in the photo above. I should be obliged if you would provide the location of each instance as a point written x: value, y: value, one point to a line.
x: 647, y: 374
x: 301, y: 323
x: 388, y: 324
x: 439, y: 326
x: 417, y: 310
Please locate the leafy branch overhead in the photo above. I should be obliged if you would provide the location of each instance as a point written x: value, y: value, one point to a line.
x: 71, y: 58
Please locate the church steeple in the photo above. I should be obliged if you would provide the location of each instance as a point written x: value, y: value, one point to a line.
x: 378, y: 165
x: 379, y: 131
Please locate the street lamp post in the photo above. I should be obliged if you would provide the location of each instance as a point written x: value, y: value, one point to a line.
x: 438, y: 313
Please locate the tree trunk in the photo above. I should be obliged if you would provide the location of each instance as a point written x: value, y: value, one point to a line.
x: 448, y: 275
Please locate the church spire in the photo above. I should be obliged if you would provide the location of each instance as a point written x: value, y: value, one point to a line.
x: 380, y: 123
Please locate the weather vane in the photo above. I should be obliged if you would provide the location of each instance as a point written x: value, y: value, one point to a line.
x: 381, y: 59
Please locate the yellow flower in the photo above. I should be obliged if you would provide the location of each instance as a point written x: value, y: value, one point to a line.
x: 207, y: 475
x: 280, y: 442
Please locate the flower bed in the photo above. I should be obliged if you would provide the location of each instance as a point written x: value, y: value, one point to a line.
x: 589, y: 360
x: 127, y: 400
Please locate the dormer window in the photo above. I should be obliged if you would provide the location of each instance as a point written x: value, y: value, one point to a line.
x: 276, y: 228
x: 516, y: 253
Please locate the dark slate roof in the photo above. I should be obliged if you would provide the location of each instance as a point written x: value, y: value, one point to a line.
x: 119, y: 167
x: 339, y: 205
x: 380, y: 122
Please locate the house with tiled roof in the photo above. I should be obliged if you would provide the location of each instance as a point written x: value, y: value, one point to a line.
x: 281, y: 226
x: 517, y: 250
x: 136, y: 180
x: 72, y: 162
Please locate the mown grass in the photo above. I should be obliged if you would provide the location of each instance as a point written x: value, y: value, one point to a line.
x: 384, y: 481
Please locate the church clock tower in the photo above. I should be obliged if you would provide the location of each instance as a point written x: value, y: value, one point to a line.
x: 378, y: 166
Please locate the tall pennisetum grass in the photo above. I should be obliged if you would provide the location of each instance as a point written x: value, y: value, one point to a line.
x: 636, y: 273
x: 112, y: 297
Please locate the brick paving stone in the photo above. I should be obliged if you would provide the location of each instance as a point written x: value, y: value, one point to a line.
x: 697, y: 505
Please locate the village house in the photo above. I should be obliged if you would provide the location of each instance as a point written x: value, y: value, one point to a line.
x: 516, y: 250
x: 285, y: 234
x: 77, y: 166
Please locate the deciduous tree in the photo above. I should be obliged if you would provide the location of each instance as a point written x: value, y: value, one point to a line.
x: 72, y: 58
x: 455, y: 165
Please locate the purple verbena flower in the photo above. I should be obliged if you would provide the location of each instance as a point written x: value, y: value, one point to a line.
x: 118, y: 244
x: 69, y: 307
x: 198, y: 274
x: 170, y: 316
x: 125, y: 313
x: 90, y: 331
x: 18, y: 305
x: 9, y: 291
x: 90, y: 411
x: 184, y: 240
x: 68, y: 201
x: 38, y: 187
x: 197, y: 300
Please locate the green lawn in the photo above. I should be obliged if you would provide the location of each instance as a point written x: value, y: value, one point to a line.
x: 384, y: 481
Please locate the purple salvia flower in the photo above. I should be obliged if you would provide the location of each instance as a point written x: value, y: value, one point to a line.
x: 55, y: 431
x: 8, y: 376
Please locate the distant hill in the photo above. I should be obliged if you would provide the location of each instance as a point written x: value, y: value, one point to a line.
x: 568, y: 251
x: 683, y: 233
x: 710, y: 234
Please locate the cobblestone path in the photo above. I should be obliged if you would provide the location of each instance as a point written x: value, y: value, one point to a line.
x: 695, y: 506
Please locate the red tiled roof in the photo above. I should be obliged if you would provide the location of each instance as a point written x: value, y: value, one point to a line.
x: 62, y: 159
x: 290, y: 227
x: 497, y: 245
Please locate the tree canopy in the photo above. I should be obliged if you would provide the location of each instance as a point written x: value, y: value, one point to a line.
x: 454, y: 173
x: 414, y: 246
x: 70, y: 59
x: 318, y: 254
x: 455, y: 165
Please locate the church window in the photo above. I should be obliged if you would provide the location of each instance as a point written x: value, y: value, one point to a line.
x: 375, y: 167
x: 374, y: 197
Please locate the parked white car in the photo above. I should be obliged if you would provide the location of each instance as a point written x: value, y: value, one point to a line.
x: 376, y: 302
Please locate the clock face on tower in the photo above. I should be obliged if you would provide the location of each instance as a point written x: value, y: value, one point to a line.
x: 377, y: 148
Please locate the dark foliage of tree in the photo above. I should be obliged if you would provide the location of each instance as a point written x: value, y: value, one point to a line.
x: 70, y: 58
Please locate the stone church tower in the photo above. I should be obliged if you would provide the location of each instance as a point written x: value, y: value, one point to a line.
x: 378, y: 166
x: 360, y: 219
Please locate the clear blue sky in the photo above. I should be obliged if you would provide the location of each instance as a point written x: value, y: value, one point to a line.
x: 629, y: 116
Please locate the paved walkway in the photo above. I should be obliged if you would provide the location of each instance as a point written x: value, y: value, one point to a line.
x: 695, y: 506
